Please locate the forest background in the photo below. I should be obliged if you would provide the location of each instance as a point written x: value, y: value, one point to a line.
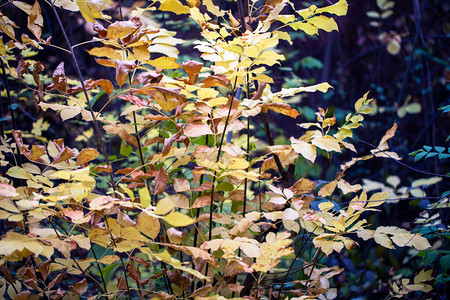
x: 396, y: 50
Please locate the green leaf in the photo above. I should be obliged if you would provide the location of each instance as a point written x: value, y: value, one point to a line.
x: 225, y: 187
x: 125, y: 149
x: 429, y: 257
x: 445, y: 262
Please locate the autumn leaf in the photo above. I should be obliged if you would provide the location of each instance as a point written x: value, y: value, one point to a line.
x: 105, y: 51
x: 177, y: 219
x: 192, y: 69
x: 162, y: 177
x: 307, y: 150
x: 120, y: 29
x: 92, y: 9
x: 281, y: 108
x: 122, y: 70
x: 86, y: 155
x: 327, y: 143
x: 148, y: 225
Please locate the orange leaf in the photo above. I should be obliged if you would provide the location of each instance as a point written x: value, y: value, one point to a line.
x: 86, y: 155
x: 121, y: 29
x: 37, y: 151
x: 103, y: 168
x: 192, y: 68
x: 105, y: 51
x: 215, y: 80
x: 281, y: 108
x: 64, y: 155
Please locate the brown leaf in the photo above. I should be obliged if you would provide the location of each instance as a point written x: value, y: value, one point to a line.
x: 37, y: 151
x: 162, y: 177
x: 133, y: 273
x: 7, y: 275
x: 203, y: 291
x: 303, y: 186
x: 80, y: 287
x: 122, y: 133
x: 192, y: 68
x: 17, y: 135
x: 86, y: 155
x: 23, y: 295
x: 383, y: 145
x: 203, y: 187
x: 64, y: 155
x: 122, y: 70
x: 56, y: 280
x: 202, y: 202
x: 38, y: 67
x: 169, y: 142
x: 179, y: 279
x: 22, y: 67
x: 103, y: 168
x: 148, y: 77
x: 215, y: 80
x: 59, y: 79
x: 175, y: 236
x: 100, y: 30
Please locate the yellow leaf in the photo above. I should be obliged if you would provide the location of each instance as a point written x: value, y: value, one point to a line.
x: 148, y: 225
x: 305, y: 26
x: 328, y: 189
x: 18, y: 172
x: 174, y: 6
x: 145, y: 197
x: 164, y: 62
x: 347, y: 187
x: 213, y: 9
x: 327, y: 143
x: 121, y: 29
x: 377, y: 199
x: 340, y: 8
x: 241, y: 174
x: 105, y: 52
x: 238, y: 163
x: 164, y: 206
x: 326, y: 206
x: 423, y: 276
x: 325, y: 23
x: 383, y: 240
x: 307, y: 150
x: 177, y: 219
x: 92, y: 9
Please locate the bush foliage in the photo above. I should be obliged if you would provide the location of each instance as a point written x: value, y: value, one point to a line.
x: 165, y: 179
